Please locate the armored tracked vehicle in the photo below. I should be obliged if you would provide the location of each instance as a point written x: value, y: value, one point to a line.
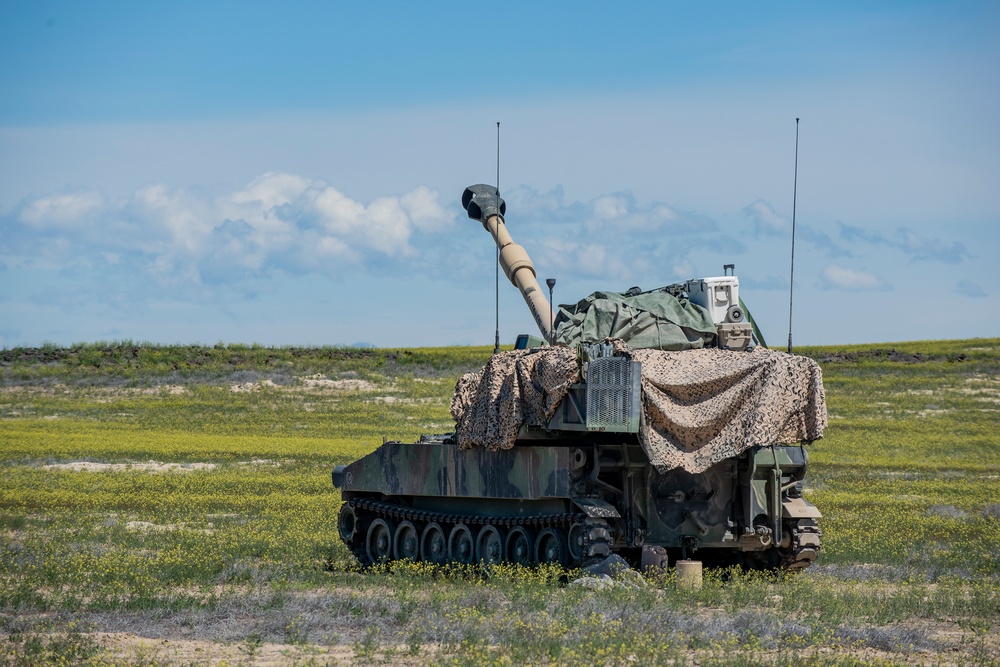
x: 647, y: 424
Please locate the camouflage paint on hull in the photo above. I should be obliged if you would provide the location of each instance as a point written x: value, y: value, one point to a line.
x: 442, y: 470
x: 749, y: 505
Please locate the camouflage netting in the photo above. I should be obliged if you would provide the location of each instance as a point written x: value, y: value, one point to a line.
x: 699, y: 406
x: 513, y: 388
x: 703, y: 406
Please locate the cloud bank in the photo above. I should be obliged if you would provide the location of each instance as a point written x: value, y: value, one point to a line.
x: 294, y: 225
x: 910, y: 243
x: 161, y: 242
x: 278, y: 221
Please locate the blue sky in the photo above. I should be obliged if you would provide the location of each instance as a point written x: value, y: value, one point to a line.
x: 291, y: 173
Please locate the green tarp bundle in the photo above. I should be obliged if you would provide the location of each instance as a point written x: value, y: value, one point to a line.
x: 656, y: 320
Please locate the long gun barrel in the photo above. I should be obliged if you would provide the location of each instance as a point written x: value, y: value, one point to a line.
x: 483, y: 203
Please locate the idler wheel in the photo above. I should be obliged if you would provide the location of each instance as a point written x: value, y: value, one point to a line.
x: 520, y: 546
x: 551, y: 547
x: 461, y: 548
x: 489, y: 545
x: 433, y: 545
x: 406, y: 542
x: 378, y: 544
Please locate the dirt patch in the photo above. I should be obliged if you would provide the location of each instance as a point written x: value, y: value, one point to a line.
x: 97, y: 394
x: 143, y: 650
x: 934, y: 412
x: 260, y: 462
x: 147, y: 527
x: 169, y: 389
x: 345, y: 384
x: 888, y: 354
x: 247, y: 387
x: 152, y: 467
x: 403, y: 399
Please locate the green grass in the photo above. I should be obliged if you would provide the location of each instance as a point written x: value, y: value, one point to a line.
x: 134, y: 364
x: 235, y: 544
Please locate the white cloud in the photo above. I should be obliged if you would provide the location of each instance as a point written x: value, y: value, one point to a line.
x: 277, y: 221
x: 271, y: 189
x: 611, y: 241
x: 837, y: 277
x: 338, y: 213
x: 527, y: 202
x: 384, y: 226
x: 569, y: 257
x: 329, y: 248
x: 60, y: 210
x: 186, y: 218
x: 610, y: 207
x: 766, y: 220
x: 424, y: 210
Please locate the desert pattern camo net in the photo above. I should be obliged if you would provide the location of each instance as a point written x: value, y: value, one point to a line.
x: 513, y: 388
x: 699, y: 406
x: 702, y: 406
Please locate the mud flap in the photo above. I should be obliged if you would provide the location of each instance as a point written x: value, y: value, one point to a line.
x: 596, y: 508
x: 799, y: 508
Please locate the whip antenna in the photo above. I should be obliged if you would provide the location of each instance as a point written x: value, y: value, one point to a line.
x: 551, y: 282
x: 791, y: 278
x: 496, y: 345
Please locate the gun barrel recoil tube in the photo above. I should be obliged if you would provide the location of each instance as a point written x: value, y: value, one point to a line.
x: 483, y: 203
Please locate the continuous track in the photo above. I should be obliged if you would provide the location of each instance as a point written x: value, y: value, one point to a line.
x: 594, y: 536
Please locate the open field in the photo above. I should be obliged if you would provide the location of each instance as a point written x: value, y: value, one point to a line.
x: 173, y: 505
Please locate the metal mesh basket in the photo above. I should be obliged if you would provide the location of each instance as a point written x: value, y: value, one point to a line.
x: 612, y: 395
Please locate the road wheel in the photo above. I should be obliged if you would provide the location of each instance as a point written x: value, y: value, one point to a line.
x: 379, y: 541
x: 520, y: 546
x: 433, y: 545
x: 406, y: 543
x: 461, y: 548
x: 489, y: 545
x: 551, y: 547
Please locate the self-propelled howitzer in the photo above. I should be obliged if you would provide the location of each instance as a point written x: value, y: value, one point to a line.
x: 652, y: 427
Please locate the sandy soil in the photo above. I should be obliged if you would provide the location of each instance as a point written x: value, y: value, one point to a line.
x: 957, y: 648
x: 153, y: 467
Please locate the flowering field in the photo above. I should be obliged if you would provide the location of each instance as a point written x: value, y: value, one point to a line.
x: 173, y: 505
